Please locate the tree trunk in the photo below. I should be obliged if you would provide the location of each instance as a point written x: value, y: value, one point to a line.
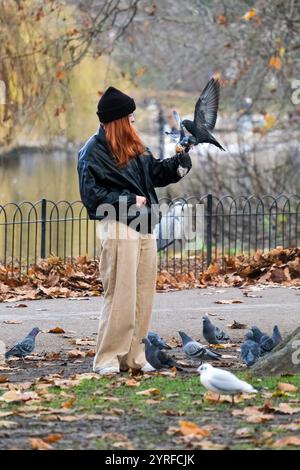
x: 284, y: 359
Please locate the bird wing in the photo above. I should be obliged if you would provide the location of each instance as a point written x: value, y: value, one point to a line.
x: 224, y: 380
x: 193, y: 349
x: 179, y: 124
x: 206, y: 107
x: 163, y: 358
x: 220, y: 334
x: 26, y: 346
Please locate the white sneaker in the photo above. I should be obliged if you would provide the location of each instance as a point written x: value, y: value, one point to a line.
x: 107, y: 371
x: 147, y: 368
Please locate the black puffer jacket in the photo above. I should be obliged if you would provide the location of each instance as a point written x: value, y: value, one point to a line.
x: 102, y: 182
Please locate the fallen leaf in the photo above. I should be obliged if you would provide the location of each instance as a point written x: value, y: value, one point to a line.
x: 132, y: 383
x: 39, y: 444
x: 17, y: 395
x: 237, y: 326
x: 149, y: 392
x: 284, y: 408
x: 8, y: 424
x: 287, y: 441
x: 69, y: 403
x: 57, y: 330
x: 3, y: 379
x: 187, y: 428
x: 12, y: 322
x: 250, y: 14
x: 53, y: 438
x: 275, y: 62
x: 229, y: 301
x: 285, y: 387
x: 76, y: 353
x: 244, y: 433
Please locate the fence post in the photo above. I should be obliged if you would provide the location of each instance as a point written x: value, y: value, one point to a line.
x: 209, y: 229
x: 43, y: 228
x: 161, y: 125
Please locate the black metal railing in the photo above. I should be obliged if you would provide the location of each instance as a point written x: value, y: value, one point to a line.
x: 229, y: 225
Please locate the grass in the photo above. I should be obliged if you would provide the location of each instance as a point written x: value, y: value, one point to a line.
x: 173, y: 394
x: 144, y: 419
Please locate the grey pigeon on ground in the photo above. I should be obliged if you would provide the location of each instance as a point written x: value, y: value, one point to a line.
x: 266, y: 344
x: 276, y: 336
x: 157, y: 358
x: 157, y: 341
x: 205, y: 115
x: 195, y: 350
x: 212, y: 333
x: 250, y: 350
x: 257, y: 334
x: 24, y: 347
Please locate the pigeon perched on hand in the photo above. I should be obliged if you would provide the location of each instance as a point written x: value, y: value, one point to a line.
x: 157, y: 341
x: 205, y: 115
x: 157, y: 358
x: 250, y: 350
x: 222, y: 382
x: 212, y: 333
x: 195, y: 350
x: 24, y: 347
x: 276, y: 336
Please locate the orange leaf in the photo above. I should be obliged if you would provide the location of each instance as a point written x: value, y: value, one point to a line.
x: 57, y: 330
x: 76, y: 353
x: 222, y: 20
x: 287, y: 441
x: 286, y: 387
x: 53, y: 438
x: 187, y: 428
x: 275, y: 62
x: 149, y: 392
x: 250, y: 14
x: 60, y: 75
x: 132, y: 383
x: 40, y: 444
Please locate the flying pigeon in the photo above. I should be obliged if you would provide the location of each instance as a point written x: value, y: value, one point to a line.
x: 195, y: 350
x: 205, y: 115
x: 257, y: 334
x: 157, y: 358
x: 24, y: 347
x: 157, y: 341
x: 212, y: 333
x: 276, y: 336
x: 250, y: 350
x: 222, y: 382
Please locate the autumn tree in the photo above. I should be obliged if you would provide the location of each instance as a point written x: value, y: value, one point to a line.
x: 41, y: 41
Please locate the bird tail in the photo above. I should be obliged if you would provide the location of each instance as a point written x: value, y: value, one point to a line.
x: 212, y: 140
x: 214, y: 355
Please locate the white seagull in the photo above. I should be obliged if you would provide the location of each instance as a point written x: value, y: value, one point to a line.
x: 222, y: 381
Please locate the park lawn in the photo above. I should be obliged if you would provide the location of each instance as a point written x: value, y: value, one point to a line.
x: 173, y: 412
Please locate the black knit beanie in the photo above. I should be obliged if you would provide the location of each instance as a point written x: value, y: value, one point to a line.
x: 114, y: 104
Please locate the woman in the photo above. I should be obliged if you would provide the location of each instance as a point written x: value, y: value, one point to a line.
x: 117, y: 172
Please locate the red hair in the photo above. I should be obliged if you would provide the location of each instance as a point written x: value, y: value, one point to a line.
x: 123, y: 140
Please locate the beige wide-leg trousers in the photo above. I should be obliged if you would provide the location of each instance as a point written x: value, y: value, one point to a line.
x: 128, y: 269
